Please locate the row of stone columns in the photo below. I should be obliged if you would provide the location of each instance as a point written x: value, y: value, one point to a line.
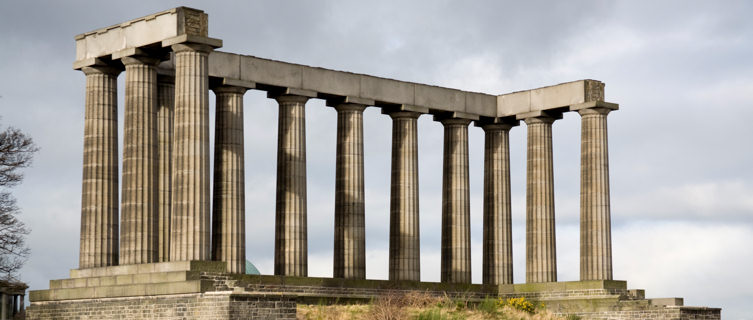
x: 165, y: 193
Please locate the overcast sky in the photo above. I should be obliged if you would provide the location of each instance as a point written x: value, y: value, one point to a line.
x: 680, y: 145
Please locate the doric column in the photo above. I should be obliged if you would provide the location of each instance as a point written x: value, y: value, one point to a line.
x: 4, y: 306
x: 229, y: 222
x: 139, y: 218
x: 291, y: 249
x: 350, y: 233
x: 497, y: 237
x: 99, y: 201
x: 189, y: 237
x: 165, y: 109
x: 404, y: 256
x: 456, y: 205
x: 595, y: 222
x: 541, y: 258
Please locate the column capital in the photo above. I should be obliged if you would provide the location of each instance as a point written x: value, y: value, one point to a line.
x: 290, y: 98
x: 539, y: 119
x: 229, y: 89
x: 136, y: 60
x: 596, y: 110
x: 102, y: 69
x: 350, y: 107
x: 494, y: 124
x: 400, y: 114
x: 454, y: 121
x: 192, y: 47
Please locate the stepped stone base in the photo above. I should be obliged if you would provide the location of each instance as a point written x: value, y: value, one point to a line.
x: 202, y: 290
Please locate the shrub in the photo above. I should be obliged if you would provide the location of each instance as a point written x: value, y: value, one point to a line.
x: 518, y: 304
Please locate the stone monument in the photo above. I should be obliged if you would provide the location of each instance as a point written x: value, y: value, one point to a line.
x: 167, y: 248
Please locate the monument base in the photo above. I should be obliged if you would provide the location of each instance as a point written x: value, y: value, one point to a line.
x: 202, y: 290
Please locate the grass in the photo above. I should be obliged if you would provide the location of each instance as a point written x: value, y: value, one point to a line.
x: 423, y: 306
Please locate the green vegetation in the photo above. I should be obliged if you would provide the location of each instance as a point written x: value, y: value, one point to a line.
x: 423, y: 306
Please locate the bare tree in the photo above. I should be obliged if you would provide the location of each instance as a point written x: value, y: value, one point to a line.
x: 16, y: 152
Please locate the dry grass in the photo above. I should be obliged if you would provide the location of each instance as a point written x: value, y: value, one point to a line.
x: 416, y: 305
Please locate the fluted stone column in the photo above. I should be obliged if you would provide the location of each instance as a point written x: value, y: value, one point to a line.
x: 541, y: 257
x: 291, y: 249
x: 229, y: 222
x: 404, y: 256
x: 165, y: 109
x: 350, y: 229
x: 595, y: 221
x: 99, y: 201
x: 139, y: 218
x: 456, y: 205
x: 190, y: 228
x: 497, y: 237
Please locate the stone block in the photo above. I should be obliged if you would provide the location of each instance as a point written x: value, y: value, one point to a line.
x: 387, y: 90
x: 558, y: 96
x: 513, y: 103
x: 270, y: 72
x: 480, y: 104
x: 439, y: 98
x: 330, y: 81
x: 227, y: 65
x: 667, y: 301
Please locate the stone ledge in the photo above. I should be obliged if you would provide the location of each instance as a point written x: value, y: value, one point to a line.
x: 154, y: 277
x: 129, y: 290
x: 205, y: 266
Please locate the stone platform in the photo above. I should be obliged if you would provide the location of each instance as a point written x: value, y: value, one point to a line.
x: 202, y: 290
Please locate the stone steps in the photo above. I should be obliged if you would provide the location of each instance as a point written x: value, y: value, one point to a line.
x: 132, y: 280
x: 126, y: 290
x: 139, y: 278
x: 206, y: 266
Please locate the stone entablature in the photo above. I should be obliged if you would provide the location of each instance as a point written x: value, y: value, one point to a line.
x: 163, y: 29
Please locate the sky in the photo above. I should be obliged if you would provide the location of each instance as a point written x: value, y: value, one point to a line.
x: 679, y: 147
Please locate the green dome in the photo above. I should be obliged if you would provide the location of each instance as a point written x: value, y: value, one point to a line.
x: 250, y: 268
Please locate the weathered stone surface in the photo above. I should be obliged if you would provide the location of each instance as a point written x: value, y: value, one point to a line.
x: 291, y: 246
x: 99, y: 200
x: 595, y: 219
x: 456, y: 205
x: 190, y: 214
x: 350, y: 227
x: 497, y: 236
x: 541, y: 256
x: 165, y: 111
x: 404, y: 254
x: 224, y: 306
x: 140, y: 32
x: 228, y: 217
x: 139, y: 219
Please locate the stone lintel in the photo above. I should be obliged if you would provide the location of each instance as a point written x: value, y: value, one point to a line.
x: 556, y: 115
x: 192, y: 39
x: 557, y: 96
x: 440, y: 116
x: 140, y: 32
x: 594, y: 104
